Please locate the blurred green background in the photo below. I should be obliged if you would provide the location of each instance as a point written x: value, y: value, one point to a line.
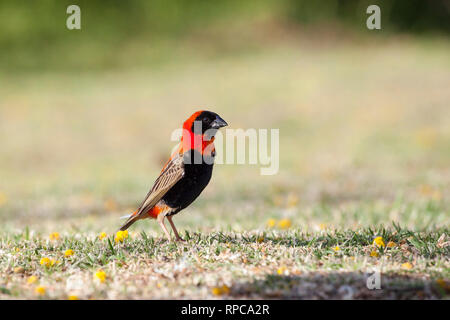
x: 126, y: 33
x: 86, y: 115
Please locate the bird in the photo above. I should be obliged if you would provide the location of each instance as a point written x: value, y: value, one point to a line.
x: 185, y: 175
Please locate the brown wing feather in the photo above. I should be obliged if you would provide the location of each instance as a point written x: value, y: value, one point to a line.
x: 171, y: 174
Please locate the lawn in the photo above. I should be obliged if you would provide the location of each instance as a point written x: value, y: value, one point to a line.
x: 364, y: 153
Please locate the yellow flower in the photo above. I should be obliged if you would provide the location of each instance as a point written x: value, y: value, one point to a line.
x: 72, y: 297
x: 217, y: 291
x: 322, y: 226
x: 281, y: 270
x: 68, y: 253
x: 430, y: 192
x: 374, y: 254
x: 40, y: 290
x: 336, y: 248
x: 102, y: 235
x: 225, y: 289
x: 407, y: 266
x: 54, y: 236
x: 271, y: 223
x: 53, y: 262
x: 284, y: 223
x: 121, y: 236
x: 391, y: 244
x: 46, y: 262
x: 100, y: 276
x: 17, y: 249
x: 32, y: 279
x: 3, y: 199
x: 379, y: 242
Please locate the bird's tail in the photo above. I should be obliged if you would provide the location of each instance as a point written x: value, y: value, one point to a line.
x: 132, y: 218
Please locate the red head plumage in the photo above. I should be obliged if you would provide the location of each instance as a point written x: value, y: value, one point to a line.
x: 195, y: 127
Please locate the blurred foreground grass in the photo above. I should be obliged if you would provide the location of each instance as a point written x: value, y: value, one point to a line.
x: 364, y: 142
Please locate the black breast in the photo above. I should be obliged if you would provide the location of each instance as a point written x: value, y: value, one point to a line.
x: 196, y: 178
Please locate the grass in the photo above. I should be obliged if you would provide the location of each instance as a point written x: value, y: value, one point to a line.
x: 364, y: 135
x: 258, y: 264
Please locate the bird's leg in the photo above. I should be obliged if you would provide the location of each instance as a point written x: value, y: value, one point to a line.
x: 160, y: 219
x: 177, y: 236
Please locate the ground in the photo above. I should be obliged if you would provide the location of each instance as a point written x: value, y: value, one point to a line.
x: 364, y: 136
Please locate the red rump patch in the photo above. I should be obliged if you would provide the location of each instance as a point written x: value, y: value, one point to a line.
x: 154, y: 212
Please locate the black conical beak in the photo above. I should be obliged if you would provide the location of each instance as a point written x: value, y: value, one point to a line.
x: 218, y: 123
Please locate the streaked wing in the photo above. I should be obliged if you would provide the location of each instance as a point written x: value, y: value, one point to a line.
x: 170, y: 175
